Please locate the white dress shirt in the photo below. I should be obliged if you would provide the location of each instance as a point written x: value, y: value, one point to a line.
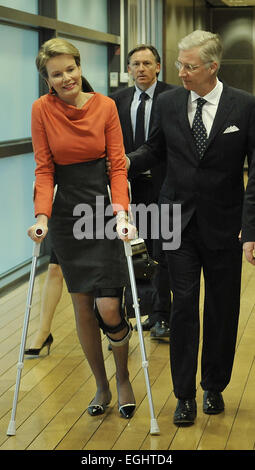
x: 147, y: 112
x: 148, y: 104
x: 210, y: 107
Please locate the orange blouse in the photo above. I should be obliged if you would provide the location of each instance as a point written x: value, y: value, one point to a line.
x: 64, y: 134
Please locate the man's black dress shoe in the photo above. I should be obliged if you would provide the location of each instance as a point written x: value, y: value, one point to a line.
x: 213, y: 403
x: 160, y: 330
x: 146, y: 325
x: 186, y: 412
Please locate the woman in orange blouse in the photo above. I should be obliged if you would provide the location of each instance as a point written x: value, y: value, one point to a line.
x: 72, y: 133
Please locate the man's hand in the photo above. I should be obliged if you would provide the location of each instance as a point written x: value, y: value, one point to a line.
x: 127, y: 163
x: 109, y: 166
x: 249, y: 249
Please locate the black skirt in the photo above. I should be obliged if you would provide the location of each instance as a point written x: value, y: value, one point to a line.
x: 82, y: 235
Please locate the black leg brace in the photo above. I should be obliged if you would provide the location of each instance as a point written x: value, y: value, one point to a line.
x: 107, y: 329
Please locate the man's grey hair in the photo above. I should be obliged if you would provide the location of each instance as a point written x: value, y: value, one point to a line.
x: 209, y: 43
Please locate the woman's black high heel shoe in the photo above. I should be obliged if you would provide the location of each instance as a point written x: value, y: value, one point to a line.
x: 127, y: 411
x: 35, y: 352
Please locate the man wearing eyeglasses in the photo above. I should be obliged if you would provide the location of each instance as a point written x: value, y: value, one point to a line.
x: 206, y: 128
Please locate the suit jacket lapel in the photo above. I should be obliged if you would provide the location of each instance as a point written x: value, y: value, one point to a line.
x: 156, y: 92
x: 182, y: 114
x: 125, y: 112
x: 225, y: 106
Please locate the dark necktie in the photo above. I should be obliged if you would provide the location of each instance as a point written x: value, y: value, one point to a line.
x: 139, y: 127
x: 198, y: 128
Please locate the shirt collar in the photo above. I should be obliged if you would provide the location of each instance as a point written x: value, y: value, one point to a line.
x: 149, y: 91
x: 212, y: 97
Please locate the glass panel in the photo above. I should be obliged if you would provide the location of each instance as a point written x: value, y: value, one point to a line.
x: 235, y: 26
x: 158, y: 33
x: 86, y: 13
x: 238, y: 76
x: 30, y: 6
x: 18, y: 81
x: 94, y: 64
x: 16, y: 208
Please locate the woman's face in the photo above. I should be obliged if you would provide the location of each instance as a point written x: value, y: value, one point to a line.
x: 64, y: 75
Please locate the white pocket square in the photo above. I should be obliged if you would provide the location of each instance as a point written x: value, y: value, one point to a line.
x: 231, y: 129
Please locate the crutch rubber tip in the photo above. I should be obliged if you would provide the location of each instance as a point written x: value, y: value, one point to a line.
x: 154, y: 427
x: 11, y: 431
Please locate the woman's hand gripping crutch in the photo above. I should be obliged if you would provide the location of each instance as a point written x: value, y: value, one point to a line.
x: 126, y: 233
x: 39, y: 235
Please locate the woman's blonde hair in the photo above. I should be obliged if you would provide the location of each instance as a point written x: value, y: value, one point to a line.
x: 52, y: 48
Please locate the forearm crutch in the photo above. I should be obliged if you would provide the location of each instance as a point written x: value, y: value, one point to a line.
x: 11, y: 431
x: 128, y: 251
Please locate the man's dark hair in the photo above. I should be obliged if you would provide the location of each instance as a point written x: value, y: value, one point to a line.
x: 142, y: 47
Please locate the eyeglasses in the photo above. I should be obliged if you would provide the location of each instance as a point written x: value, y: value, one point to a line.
x: 188, y: 67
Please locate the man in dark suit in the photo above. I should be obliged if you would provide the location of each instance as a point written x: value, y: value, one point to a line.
x: 207, y: 129
x: 248, y: 225
x: 144, y: 67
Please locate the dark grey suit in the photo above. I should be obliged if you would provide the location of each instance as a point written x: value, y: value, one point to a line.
x: 210, y: 191
x: 248, y: 224
x: 146, y: 190
x: 123, y: 100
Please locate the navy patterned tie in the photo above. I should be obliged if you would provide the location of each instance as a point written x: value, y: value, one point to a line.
x: 198, y: 128
x: 139, y: 127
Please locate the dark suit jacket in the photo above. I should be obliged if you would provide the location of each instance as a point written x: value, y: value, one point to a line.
x: 248, y: 225
x: 123, y: 100
x: 212, y: 186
